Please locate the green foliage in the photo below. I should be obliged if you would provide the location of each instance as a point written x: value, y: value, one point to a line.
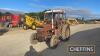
x: 7, y: 13
x: 1, y: 13
x: 40, y: 15
x: 31, y: 14
x: 81, y: 20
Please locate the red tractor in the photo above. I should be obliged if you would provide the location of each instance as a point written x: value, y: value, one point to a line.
x: 55, y: 28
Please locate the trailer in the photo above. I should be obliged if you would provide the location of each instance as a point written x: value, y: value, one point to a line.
x: 10, y: 20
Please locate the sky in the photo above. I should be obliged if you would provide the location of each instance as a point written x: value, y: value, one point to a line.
x: 40, y: 5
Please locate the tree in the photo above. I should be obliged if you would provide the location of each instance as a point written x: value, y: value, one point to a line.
x: 7, y: 13
x: 82, y: 18
x: 40, y: 15
x: 31, y: 14
x: 1, y: 13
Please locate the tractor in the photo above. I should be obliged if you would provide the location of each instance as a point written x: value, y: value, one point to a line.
x: 54, y: 30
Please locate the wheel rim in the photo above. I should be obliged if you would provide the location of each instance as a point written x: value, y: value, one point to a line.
x: 54, y: 41
x: 33, y: 27
x: 24, y: 27
x: 10, y: 25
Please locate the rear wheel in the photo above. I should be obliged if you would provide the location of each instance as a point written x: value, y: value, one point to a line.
x: 10, y: 25
x: 25, y: 27
x: 33, y: 38
x: 53, y: 41
x: 65, y: 33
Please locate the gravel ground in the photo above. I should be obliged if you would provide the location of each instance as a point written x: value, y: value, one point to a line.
x: 16, y: 42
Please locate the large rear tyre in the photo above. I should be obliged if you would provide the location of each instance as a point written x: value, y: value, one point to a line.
x: 52, y: 42
x: 65, y: 33
x: 33, y: 39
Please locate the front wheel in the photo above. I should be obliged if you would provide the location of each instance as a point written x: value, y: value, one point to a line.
x: 25, y: 27
x: 33, y: 27
x: 33, y: 39
x: 53, y: 41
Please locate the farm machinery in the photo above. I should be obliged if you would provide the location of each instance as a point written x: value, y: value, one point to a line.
x: 10, y: 20
x: 31, y: 23
x: 55, y: 28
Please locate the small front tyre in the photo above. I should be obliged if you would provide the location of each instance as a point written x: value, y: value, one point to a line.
x: 33, y: 38
x: 53, y: 41
x: 25, y: 27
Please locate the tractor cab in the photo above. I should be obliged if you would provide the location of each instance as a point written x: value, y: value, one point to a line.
x: 54, y: 16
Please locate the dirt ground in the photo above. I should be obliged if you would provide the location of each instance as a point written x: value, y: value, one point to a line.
x: 16, y: 42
